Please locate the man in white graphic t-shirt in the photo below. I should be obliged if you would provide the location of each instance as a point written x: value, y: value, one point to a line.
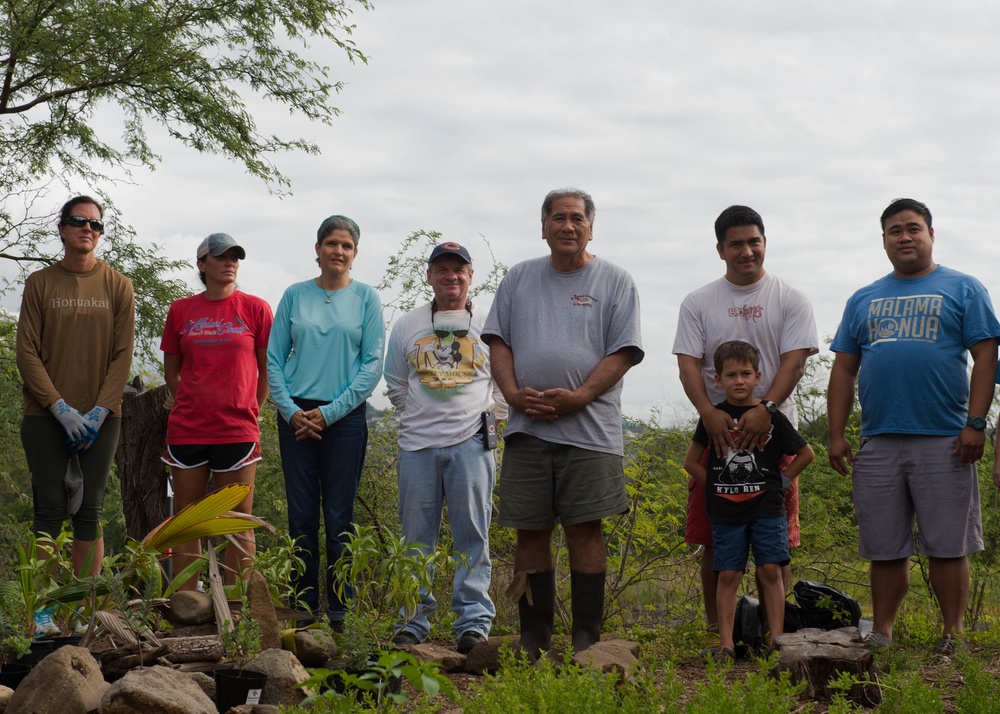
x: 754, y: 306
x: 437, y: 371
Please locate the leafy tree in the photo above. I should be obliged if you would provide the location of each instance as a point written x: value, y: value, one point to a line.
x: 188, y: 65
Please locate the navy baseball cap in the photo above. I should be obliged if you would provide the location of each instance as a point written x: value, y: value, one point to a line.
x: 450, y: 249
x: 217, y: 244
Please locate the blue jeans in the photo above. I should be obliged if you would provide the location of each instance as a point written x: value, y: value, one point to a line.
x: 462, y: 474
x: 324, y: 473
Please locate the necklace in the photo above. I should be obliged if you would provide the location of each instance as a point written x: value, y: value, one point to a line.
x: 329, y: 293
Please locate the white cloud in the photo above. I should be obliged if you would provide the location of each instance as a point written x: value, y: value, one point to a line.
x: 816, y: 114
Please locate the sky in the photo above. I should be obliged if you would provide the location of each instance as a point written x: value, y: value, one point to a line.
x: 467, y: 114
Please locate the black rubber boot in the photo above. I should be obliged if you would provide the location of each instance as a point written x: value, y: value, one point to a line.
x: 538, y: 618
x: 588, y: 608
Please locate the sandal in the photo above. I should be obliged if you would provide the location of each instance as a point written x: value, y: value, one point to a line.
x: 949, y: 645
x: 876, y: 642
x: 719, y: 654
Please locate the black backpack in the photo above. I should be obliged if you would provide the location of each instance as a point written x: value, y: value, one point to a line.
x: 825, y: 607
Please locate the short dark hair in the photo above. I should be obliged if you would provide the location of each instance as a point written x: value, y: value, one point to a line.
x: 907, y: 204
x: 734, y: 217
x: 737, y: 351
x: 588, y: 203
x: 67, y: 210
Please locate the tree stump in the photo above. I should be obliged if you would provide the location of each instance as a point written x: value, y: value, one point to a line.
x: 817, y: 656
x: 143, y: 476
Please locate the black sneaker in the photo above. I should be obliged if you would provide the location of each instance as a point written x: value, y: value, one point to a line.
x: 405, y: 638
x: 305, y: 620
x: 468, y: 640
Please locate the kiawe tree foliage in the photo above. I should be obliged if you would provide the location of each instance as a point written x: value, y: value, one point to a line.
x: 189, y: 66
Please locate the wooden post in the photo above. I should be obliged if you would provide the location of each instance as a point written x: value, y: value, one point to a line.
x: 143, y: 476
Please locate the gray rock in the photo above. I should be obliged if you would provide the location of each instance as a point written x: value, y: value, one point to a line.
x: 68, y: 681
x: 5, y: 694
x: 262, y: 610
x: 448, y: 659
x: 157, y: 689
x: 554, y: 656
x: 616, y: 643
x: 314, y: 648
x: 610, y: 656
x: 485, y: 657
x: 188, y: 607
x: 283, y: 672
x: 205, y: 682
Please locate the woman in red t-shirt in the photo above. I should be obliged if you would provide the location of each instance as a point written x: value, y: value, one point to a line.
x: 214, y: 357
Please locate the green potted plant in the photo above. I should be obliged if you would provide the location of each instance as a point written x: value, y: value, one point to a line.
x: 13, y: 645
x: 241, y: 642
x: 30, y: 591
x: 385, y: 575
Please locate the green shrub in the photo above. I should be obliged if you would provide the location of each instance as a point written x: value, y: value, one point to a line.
x: 980, y: 692
x: 904, y: 692
x: 521, y: 687
x: 757, y: 693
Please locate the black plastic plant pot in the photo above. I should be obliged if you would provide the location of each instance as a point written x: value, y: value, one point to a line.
x: 40, y: 649
x: 67, y: 640
x: 233, y: 688
x: 12, y: 674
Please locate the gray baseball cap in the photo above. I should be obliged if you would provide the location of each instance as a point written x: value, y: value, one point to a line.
x: 217, y: 244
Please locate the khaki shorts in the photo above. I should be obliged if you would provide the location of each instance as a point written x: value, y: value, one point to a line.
x: 541, y: 481
x: 901, y: 478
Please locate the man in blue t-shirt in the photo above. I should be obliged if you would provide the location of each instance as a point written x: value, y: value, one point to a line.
x: 906, y: 339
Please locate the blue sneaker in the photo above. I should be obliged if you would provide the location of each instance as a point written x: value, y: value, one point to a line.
x: 45, y: 626
x: 82, y: 625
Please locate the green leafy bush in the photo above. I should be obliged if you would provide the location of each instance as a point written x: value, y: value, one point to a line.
x: 523, y: 688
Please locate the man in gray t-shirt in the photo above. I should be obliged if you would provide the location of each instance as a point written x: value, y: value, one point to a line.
x: 563, y: 331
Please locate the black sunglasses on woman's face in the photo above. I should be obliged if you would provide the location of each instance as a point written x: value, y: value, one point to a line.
x: 80, y: 222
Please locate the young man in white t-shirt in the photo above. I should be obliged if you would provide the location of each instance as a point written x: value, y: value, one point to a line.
x: 754, y: 306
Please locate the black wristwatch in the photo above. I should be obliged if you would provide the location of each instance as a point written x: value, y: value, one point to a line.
x: 977, y: 423
x: 770, y: 406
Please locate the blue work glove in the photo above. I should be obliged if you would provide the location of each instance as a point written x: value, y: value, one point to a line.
x: 95, y: 419
x: 74, y: 423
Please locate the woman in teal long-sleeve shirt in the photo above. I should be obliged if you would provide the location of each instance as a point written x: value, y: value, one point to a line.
x: 324, y: 358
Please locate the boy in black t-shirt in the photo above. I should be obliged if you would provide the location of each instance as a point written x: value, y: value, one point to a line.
x: 744, y: 495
